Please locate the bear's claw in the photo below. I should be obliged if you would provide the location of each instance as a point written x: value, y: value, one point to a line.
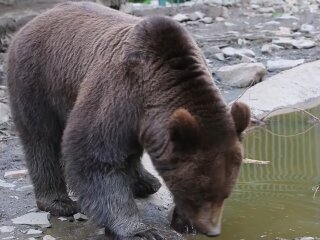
x: 151, y: 234
x: 58, y: 206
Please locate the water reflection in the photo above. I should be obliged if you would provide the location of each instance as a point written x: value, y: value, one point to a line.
x: 277, y: 200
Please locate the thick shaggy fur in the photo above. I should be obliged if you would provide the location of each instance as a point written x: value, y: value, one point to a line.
x: 90, y: 88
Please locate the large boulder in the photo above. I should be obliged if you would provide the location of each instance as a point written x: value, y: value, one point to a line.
x: 293, y: 87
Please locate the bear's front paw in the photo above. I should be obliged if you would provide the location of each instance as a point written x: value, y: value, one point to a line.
x: 181, y: 224
x: 58, y: 206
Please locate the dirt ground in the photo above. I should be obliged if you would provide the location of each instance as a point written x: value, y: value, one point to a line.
x: 243, y: 26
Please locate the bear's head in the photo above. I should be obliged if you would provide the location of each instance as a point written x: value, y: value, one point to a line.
x: 203, y: 163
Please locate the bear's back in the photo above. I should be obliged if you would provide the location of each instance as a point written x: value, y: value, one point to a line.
x: 56, y: 51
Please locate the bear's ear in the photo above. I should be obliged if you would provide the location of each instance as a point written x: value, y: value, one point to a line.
x: 241, y: 116
x: 184, y: 130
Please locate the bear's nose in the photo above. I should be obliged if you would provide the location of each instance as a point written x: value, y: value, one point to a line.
x: 209, y: 218
x: 214, y: 232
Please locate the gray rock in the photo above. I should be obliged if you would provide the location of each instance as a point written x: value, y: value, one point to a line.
x: 207, y: 20
x: 33, y: 219
x: 80, y: 217
x: 16, y: 174
x: 34, y: 232
x: 7, y: 229
x: 233, y: 52
x: 306, y: 28
x: 62, y: 219
x: 181, y: 17
x: 241, y: 75
x: 269, y: 48
x: 282, y: 64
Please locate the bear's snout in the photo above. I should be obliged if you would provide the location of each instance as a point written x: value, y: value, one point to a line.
x: 208, y: 219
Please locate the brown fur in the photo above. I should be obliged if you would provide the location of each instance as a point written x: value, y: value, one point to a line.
x: 109, y: 85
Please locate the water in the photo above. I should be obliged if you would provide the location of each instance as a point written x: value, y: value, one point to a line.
x: 277, y: 200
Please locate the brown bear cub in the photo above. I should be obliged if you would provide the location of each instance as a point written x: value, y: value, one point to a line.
x: 91, y: 88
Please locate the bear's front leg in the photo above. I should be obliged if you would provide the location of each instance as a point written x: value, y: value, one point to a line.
x: 104, y: 191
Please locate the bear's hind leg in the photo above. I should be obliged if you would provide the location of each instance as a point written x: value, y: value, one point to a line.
x: 41, y: 137
x: 145, y: 183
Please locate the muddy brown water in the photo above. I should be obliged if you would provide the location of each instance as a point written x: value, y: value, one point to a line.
x: 277, y: 199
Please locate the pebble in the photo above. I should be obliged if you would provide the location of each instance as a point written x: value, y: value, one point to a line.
x: 255, y: 6
x: 207, y: 20
x: 4, y: 113
x: 241, y: 75
x: 272, y: 23
x: 269, y: 48
x: 229, y: 24
x: 266, y: 10
x: 242, y: 42
x: 219, y: 56
x: 306, y: 28
x: 296, y: 43
x: 80, y: 217
x: 245, y: 59
x: 220, y: 19
x: 48, y: 237
x: 15, y: 197
x: 4, y: 184
x: 181, y: 17
x: 283, y: 31
x: 63, y: 219
x: 34, y: 232
x: 282, y: 64
x: 287, y: 17
x: 34, y: 219
x: 196, y: 16
x: 16, y: 174
x: 232, y: 52
x: 25, y: 188
x: 7, y: 229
